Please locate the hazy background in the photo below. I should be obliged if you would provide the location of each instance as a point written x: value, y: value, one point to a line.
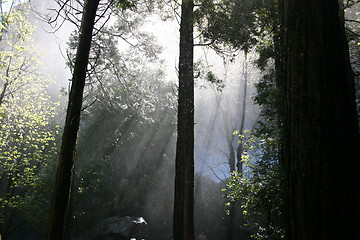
x: 143, y: 163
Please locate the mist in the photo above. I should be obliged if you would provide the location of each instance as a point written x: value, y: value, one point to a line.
x: 126, y: 147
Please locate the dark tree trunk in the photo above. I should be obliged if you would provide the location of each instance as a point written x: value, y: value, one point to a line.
x: 321, y: 140
x: 229, y: 136
x: 63, y: 181
x: 183, y: 228
x: 231, y: 153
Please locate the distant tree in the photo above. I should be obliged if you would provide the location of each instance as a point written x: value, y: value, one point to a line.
x: 184, y: 171
x: 321, y: 143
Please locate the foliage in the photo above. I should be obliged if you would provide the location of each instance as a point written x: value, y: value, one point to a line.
x: 227, y: 22
x: 111, y: 67
x: 205, y: 77
x: 258, y: 191
x: 239, y: 25
x: 16, y: 55
x: 125, y: 4
x: 269, y: 99
x: 27, y: 130
x: 6, y: 13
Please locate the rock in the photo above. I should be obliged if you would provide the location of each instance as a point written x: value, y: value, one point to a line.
x: 117, y: 228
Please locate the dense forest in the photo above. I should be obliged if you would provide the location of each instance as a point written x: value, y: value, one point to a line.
x: 179, y: 119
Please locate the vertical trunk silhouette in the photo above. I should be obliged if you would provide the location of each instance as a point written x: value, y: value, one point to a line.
x: 183, y: 225
x: 240, y: 148
x: 234, y: 213
x: 229, y: 136
x: 64, y: 175
x: 321, y: 135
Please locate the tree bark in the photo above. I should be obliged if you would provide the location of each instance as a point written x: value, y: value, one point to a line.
x: 64, y: 176
x: 183, y: 225
x: 321, y: 133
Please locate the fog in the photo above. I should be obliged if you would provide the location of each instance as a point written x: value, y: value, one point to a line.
x: 51, y: 41
x: 126, y: 152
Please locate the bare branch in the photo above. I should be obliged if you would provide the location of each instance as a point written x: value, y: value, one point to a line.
x: 204, y: 44
x: 352, y: 21
x: 351, y: 3
x: 89, y: 105
x: 212, y: 170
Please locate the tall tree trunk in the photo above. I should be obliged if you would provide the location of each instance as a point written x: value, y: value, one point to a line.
x: 183, y: 228
x: 321, y: 141
x: 64, y: 176
x: 240, y: 147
